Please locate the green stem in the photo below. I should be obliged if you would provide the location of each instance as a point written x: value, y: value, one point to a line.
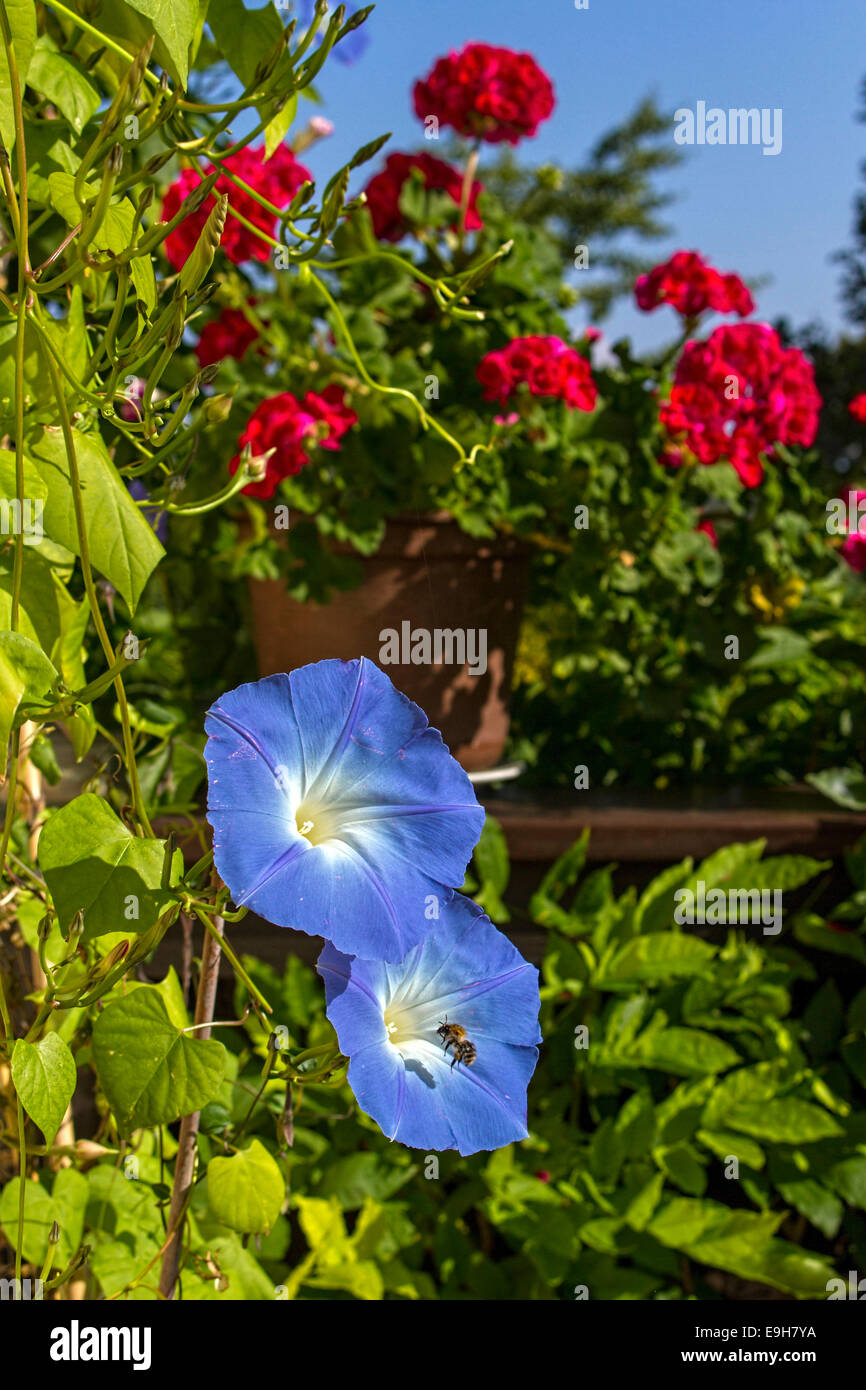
x: 426, y: 420
x: 22, y: 1187
x: 5, y: 1016
x: 242, y: 479
x: 266, y: 1074
x: 22, y: 251
x: 103, y: 39
x: 9, y: 818
x: 84, y: 555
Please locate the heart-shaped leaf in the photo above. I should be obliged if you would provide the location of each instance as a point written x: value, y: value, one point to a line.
x: 44, y: 1074
x: 92, y: 863
x: 150, y: 1071
x: 246, y: 1190
x: 65, y: 1204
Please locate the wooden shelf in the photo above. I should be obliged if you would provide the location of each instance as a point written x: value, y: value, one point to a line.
x: 663, y: 827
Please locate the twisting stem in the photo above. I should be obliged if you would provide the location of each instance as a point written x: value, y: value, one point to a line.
x: 426, y: 420
x: 217, y: 934
x: 184, y: 1169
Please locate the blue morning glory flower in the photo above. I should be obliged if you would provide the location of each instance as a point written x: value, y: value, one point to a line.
x: 404, y: 1072
x: 336, y: 809
x: 156, y: 519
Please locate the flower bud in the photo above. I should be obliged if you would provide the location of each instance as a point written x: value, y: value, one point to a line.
x: 216, y: 409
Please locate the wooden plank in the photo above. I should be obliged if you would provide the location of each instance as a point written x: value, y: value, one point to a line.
x: 656, y: 827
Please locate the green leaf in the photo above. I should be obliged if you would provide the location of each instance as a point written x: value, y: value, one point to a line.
x: 92, y: 863
x: 114, y: 234
x: 655, y: 907
x: 606, y: 1151
x: 359, y: 1176
x: 116, y: 1264
x: 741, y: 1242
x: 150, y: 1071
x: 47, y: 153
x: 246, y: 1190
x: 26, y: 675
x: 841, y: 941
x: 683, y: 1167
x: 720, y: 868
x: 122, y: 545
x: 243, y: 36
x: 677, y: 1116
x: 848, y: 1178
x: 321, y: 1221
x: 641, y: 1208
x: 846, y: 786
x: 44, y: 1075
x: 171, y: 993
x: 174, y: 22
x: 121, y: 1199
x: 21, y: 15
x: 822, y: 1019
x: 726, y: 1145
x: 544, y: 904
x: 785, y: 1121
x: 68, y: 336
x: 246, y: 1280
x: 277, y: 129
x: 56, y: 77
x: 491, y: 863
x: 683, y: 1051
x: 778, y: 646
x: 636, y: 1123
x: 816, y: 1203
x: 855, y: 862
x: 781, y: 872
x: 661, y: 956
x: 854, y: 1055
x: 65, y: 1204
x: 46, y: 606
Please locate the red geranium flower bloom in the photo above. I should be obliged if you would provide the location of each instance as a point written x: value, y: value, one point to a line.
x: 287, y: 425
x: 707, y: 529
x: 854, y: 549
x: 384, y: 189
x: 227, y: 336
x: 546, y: 365
x: 486, y: 93
x: 277, y: 179
x: 737, y: 395
x: 857, y: 408
x: 691, y: 286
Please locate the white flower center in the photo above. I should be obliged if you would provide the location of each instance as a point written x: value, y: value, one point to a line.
x: 402, y: 1027
x: 315, y: 823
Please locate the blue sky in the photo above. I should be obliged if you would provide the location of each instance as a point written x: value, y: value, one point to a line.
x: 779, y: 217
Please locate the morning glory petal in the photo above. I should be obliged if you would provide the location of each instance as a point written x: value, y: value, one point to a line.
x: 387, y: 1018
x: 336, y: 809
x: 485, y: 1104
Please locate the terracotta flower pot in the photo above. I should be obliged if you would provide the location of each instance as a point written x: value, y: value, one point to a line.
x: 426, y: 598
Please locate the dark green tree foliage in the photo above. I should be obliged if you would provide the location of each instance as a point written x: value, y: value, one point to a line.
x: 608, y: 205
x: 854, y: 260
